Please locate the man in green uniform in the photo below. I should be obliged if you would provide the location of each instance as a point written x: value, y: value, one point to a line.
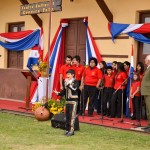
x: 145, y: 90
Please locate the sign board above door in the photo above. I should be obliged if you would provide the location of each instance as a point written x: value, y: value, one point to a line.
x: 40, y: 7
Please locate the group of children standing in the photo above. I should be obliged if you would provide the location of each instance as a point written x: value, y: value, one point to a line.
x: 107, y: 85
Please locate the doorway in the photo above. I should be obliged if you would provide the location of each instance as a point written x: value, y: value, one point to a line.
x: 75, y: 39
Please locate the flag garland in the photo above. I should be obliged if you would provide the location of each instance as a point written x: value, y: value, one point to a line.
x: 19, y: 41
x: 136, y: 31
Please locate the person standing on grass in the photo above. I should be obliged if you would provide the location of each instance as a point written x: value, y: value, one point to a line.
x: 135, y: 95
x: 145, y: 88
x: 90, y: 82
x: 71, y: 93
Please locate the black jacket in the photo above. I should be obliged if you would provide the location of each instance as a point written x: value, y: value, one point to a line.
x: 71, y: 90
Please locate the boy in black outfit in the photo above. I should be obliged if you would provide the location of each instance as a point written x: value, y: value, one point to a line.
x: 71, y: 93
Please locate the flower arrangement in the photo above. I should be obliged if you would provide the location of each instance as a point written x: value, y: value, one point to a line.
x: 42, y: 67
x: 54, y: 106
x: 36, y: 105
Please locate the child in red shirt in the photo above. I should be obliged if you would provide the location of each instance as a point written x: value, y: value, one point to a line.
x: 108, y: 90
x: 135, y: 95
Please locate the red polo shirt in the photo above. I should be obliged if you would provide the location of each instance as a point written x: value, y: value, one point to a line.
x: 134, y: 86
x: 119, y: 79
x: 78, y: 71
x: 91, y: 76
x: 64, y: 69
x: 109, y: 80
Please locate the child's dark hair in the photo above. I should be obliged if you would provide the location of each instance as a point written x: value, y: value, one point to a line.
x: 71, y: 71
x: 114, y: 62
x: 69, y: 56
x: 127, y: 63
x: 77, y: 57
x: 94, y: 59
x: 138, y: 76
x: 120, y: 66
x: 142, y: 67
x: 109, y: 67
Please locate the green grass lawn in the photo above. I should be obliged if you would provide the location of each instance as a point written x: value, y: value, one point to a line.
x: 25, y: 133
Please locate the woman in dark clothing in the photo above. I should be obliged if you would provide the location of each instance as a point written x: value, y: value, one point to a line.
x: 119, y: 87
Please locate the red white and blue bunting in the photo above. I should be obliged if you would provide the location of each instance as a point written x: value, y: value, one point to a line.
x: 91, y: 48
x: 24, y: 40
x: 136, y: 31
x: 56, y: 60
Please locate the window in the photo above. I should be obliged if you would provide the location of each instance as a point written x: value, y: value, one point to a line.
x: 15, y: 59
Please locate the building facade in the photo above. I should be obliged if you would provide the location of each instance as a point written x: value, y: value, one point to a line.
x: 98, y: 14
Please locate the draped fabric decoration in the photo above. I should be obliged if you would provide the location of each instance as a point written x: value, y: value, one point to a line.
x: 57, y: 55
x: 91, y: 48
x: 133, y: 30
x: 24, y: 40
x: 56, y: 60
x: 19, y: 41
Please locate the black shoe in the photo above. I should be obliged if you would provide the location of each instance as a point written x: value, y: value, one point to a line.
x: 111, y: 116
x: 66, y: 132
x: 70, y: 134
x: 80, y: 113
x: 107, y: 115
x: 104, y: 114
x: 133, y: 118
x: 90, y: 115
x: 118, y: 116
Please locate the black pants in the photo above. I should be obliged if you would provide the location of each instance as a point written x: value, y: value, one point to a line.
x: 71, y: 108
x: 116, y: 103
x: 91, y: 92
x: 99, y: 99
x: 136, y: 101
x: 106, y: 103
